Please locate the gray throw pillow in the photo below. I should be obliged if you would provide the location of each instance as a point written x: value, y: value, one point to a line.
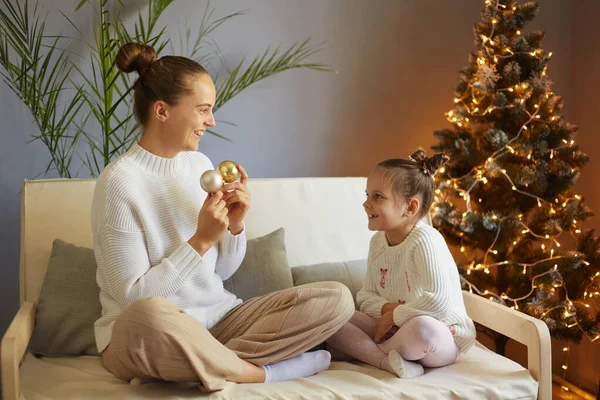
x: 69, y: 301
x: 265, y: 268
x: 350, y: 273
x: 68, y: 305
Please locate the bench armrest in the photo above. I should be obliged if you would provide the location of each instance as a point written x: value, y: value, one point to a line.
x: 13, y: 347
x: 527, y: 330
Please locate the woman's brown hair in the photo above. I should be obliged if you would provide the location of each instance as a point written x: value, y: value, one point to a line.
x: 166, y: 78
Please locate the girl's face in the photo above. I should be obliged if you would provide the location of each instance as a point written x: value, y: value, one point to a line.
x: 387, y: 211
x: 184, y: 123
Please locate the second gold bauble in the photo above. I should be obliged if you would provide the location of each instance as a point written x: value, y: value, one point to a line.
x: 229, y: 171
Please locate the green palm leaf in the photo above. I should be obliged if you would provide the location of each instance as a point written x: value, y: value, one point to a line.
x: 270, y: 63
x: 36, y: 69
x: 65, y: 108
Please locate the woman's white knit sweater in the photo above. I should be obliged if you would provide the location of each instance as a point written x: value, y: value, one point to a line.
x: 421, y: 274
x: 145, y: 209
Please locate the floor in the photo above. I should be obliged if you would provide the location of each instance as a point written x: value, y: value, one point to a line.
x: 573, y: 393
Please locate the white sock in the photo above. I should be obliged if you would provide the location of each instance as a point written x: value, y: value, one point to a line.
x: 404, y: 369
x: 301, y: 366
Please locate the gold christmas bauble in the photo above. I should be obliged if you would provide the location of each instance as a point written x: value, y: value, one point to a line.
x: 211, y: 181
x: 229, y: 171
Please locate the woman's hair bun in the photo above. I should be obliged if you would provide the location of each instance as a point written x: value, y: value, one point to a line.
x: 135, y: 57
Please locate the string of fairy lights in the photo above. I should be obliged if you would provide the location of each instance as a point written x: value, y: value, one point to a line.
x: 471, y: 101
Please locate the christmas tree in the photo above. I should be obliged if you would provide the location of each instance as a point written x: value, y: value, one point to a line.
x: 505, y: 199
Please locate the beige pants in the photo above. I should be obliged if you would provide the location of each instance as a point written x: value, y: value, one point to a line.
x: 153, y: 338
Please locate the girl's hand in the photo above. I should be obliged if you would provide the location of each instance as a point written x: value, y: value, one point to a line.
x: 238, y: 200
x: 385, y: 323
x: 389, y: 334
x: 389, y: 307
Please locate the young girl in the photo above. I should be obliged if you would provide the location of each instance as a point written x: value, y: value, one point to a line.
x: 411, y: 310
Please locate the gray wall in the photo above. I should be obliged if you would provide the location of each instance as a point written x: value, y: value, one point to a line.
x: 397, y: 63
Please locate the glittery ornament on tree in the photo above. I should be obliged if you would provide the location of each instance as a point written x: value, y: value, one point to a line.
x: 512, y: 72
x: 526, y: 175
x: 543, y: 84
x: 490, y: 222
x: 500, y: 100
x: 486, y: 77
x: 493, y: 169
x: 465, y: 225
x: 496, y: 138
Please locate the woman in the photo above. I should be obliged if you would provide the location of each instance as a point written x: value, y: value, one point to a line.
x: 164, y: 247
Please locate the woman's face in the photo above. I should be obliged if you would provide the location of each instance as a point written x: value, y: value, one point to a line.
x: 185, y: 122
